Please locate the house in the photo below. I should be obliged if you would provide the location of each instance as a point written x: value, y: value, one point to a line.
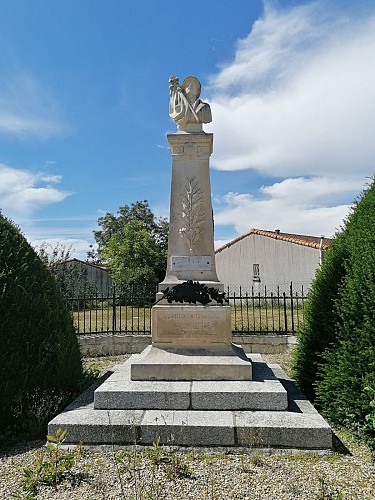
x: 270, y: 259
x: 91, y: 274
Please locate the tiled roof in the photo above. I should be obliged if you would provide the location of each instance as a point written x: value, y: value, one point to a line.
x: 90, y: 264
x: 298, y: 239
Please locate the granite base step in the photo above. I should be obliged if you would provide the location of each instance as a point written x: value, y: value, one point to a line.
x: 163, y: 363
x: 263, y: 392
x: 298, y: 427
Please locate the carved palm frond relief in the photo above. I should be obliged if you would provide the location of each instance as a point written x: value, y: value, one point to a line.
x: 192, y: 214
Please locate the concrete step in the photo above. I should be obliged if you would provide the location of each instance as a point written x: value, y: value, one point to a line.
x: 264, y: 392
x: 298, y: 427
x: 179, y: 364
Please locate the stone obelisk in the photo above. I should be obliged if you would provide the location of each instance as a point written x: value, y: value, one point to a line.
x: 184, y: 325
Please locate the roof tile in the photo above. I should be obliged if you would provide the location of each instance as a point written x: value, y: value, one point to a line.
x: 298, y: 239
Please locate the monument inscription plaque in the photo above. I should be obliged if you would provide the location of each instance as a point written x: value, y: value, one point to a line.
x: 191, y: 326
x: 191, y: 263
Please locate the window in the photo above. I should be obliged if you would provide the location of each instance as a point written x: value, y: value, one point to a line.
x: 256, y: 274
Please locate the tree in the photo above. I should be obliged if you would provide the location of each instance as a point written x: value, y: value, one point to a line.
x: 133, y: 245
x: 40, y: 361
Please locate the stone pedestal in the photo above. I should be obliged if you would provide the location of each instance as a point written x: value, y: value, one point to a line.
x: 191, y: 253
x: 191, y: 341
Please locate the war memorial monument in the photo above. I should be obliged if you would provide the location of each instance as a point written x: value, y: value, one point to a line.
x: 192, y: 386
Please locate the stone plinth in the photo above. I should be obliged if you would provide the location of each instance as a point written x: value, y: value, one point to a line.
x: 175, y: 364
x: 191, y: 326
x: 263, y: 392
x: 202, y: 395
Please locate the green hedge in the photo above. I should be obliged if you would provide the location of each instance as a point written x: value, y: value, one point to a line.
x: 349, y: 368
x: 335, y: 359
x: 40, y: 362
x: 318, y: 329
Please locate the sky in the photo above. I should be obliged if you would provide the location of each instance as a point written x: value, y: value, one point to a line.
x: 84, y: 110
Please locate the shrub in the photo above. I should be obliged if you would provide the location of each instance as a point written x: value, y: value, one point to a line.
x: 317, y: 332
x: 349, y: 368
x: 335, y: 358
x: 40, y: 360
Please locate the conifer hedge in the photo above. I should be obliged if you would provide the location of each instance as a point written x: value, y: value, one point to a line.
x: 318, y: 330
x: 335, y: 359
x: 40, y: 362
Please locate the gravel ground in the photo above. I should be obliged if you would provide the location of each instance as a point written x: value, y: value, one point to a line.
x: 159, y: 473
x: 162, y: 473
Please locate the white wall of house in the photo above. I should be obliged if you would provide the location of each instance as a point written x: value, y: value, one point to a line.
x: 94, y: 275
x: 99, y: 278
x: 280, y: 262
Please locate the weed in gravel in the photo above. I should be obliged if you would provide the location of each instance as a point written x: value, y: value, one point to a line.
x: 51, y: 466
x: 175, y: 466
x: 325, y: 492
x: 249, y: 462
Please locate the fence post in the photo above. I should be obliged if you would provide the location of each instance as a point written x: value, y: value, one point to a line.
x: 114, y: 311
x: 285, y: 314
x: 291, y: 305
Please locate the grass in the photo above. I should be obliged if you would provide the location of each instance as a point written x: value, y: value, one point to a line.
x: 245, y: 318
x: 125, y: 319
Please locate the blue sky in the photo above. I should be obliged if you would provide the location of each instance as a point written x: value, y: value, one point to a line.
x: 84, y: 110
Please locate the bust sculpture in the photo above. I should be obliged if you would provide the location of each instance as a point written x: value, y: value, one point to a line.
x: 185, y: 107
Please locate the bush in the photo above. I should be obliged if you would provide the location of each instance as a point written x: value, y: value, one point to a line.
x: 349, y: 368
x: 317, y: 332
x: 335, y: 358
x: 40, y: 362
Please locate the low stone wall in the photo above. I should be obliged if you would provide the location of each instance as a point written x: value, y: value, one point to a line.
x: 266, y: 344
x: 113, y: 345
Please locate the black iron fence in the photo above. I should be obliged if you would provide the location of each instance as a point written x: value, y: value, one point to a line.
x: 252, y: 311
x: 266, y: 312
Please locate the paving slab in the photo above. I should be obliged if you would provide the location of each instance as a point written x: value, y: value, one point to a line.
x: 130, y: 394
x: 188, y: 428
x: 282, y: 429
x: 190, y: 364
x: 263, y: 393
x: 89, y: 426
x: 236, y: 395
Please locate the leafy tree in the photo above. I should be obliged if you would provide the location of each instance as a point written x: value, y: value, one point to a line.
x: 134, y: 246
x: 40, y: 362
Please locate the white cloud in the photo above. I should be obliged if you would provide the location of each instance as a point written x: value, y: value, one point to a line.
x: 299, y: 98
x: 298, y: 103
x: 298, y: 206
x: 23, y: 191
x: 27, y: 108
x: 79, y: 247
x: 57, y: 231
